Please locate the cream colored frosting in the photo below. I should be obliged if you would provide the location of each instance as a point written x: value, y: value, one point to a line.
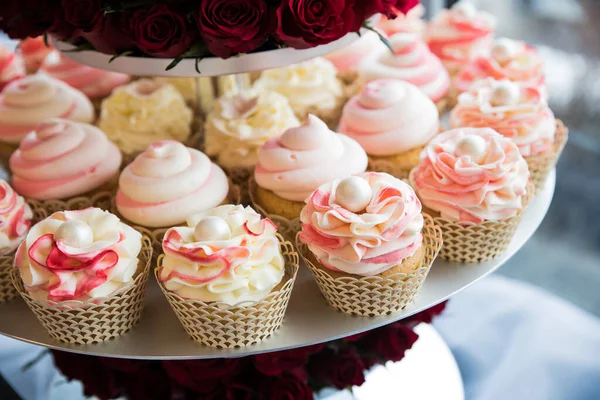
x: 347, y: 59
x: 167, y: 183
x: 27, y: 102
x: 142, y: 112
x: 390, y: 117
x: 185, y: 86
x: 78, y: 255
x: 15, y: 218
x: 303, y: 158
x: 227, y: 254
x: 11, y: 67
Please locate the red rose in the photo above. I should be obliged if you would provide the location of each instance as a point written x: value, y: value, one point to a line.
x: 391, y: 341
x: 280, y: 361
x: 341, y: 369
x: 151, y: 383
x: 428, y: 315
x: 160, y: 32
x: 113, y: 35
x: 84, y: 15
x: 309, y: 23
x: 27, y: 18
x: 390, y: 8
x: 123, y: 364
x: 355, y: 337
x: 203, y: 376
x: 288, y: 387
x: 235, y: 26
x: 231, y: 391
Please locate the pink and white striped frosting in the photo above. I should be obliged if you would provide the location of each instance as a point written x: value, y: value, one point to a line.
x: 33, y: 51
x: 15, y: 218
x: 349, y: 58
x: 411, y: 22
x: 11, y: 67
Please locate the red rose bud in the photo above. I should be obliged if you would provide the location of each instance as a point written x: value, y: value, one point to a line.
x: 341, y: 369
x: 114, y: 35
x: 288, y: 387
x: 280, y: 361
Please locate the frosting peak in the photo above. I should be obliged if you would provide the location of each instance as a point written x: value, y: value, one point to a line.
x: 15, y: 218
x: 308, y: 136
x: 381, y: 93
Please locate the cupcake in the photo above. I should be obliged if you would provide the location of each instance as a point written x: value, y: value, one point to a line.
x: 27, y: 102
x: 227, y: 266
x: 367, y: 243
x: 411, y: 22
x: 292, y: 166
x: 460, y: 34
x: 473, y: 181
x: 62, y: 159
x: 33, y: 51
x: 142, y: 112
x: 412, y: 62
x: 393, y: 121
x: 187, y: 87
x: 83, y: 266
x: 519, y: 113
x: 311, y: 87
x: 347, y: 59
x: 11, y: 67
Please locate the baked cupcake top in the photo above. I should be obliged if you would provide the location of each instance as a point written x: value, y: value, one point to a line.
x: 471, y: 175
x: 227, y: 254
x: 362, y: 225
x: 11, y: 67
x: 347, y: 59
x: 26, y: 102
x: 303, y: 158
x: 78, y: 255
x: 411, y: 22
x: 459, y: 34
x: 167, y: 183
x: 33, y: 51
x: 509, y: 59
x: 519, y: 113
x: 306, y: 85
x: 15, y: 218
x: 94, y: 83
x: 142, y: 112
x: 239, y: 124
x: 411, y: 61
x: 390, y: 117
x: 61, y: 159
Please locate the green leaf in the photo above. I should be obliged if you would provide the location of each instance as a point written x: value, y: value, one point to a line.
x: 383, y: 39
x: 46, y: 40
x: 197, y: 67
x: 123, y: 54
x: 35, y: 360
x: 174, y: 63
x: 80, y: 47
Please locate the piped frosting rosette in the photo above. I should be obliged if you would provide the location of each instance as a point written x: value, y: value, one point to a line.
x: 61, y: 159
x: 411, y: 22
x: 33, y: 51
x: 460, y: 34
x: 15, y: 218
x: 11, y: 67
x: 347, y: 59
x: 411, y: 61
x: 167, y: 183
x: 27, y: 102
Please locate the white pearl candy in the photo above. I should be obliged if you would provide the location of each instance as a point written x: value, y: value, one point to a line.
x: 473, y: 146
x: 75, y: 233
x: 504, y: 50
x: 505, y: 93
x: 465, y: 8
x: 353, y: 193
x: 212, y: 228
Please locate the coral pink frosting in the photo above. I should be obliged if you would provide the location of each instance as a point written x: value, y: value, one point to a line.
x: 62, y: 159
x: 390, y: 117
x: 470, y: 190
x: 33, y: 51
x: 169, y: 182
x: 94, y: 83
x: 11, y: 67
x: 370, y: 242
x: 348, y: 58
x: 305, y: 157
x: 15, y: 218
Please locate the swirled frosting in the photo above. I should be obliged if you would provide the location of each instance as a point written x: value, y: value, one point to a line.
x: 167, y: 183
x: 411, y: 61
x: 365, y: 241
x: 390, y: 117
x: 510, y: 59
x: 521, y: 114
x: 11, y: 67
x: 62, y: 159
x: 305, y: 157
x: 227, y: 254
x: 305, y: 85
x: 239, y: 124
x: 460, y: 34
x: 411, y: 22
x: 142, y: 112
x: 78, y: 255
x: 347, y: 59
x: 27, y: 102
x: 15, y: 218
x: 94, y: 83
x: 471, y: 175
x: 33, y: 51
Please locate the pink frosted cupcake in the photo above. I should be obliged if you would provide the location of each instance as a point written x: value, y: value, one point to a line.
x: 411, y: 22
x: 33, y: 51
x: 11, y: 67
x: 347, y: 60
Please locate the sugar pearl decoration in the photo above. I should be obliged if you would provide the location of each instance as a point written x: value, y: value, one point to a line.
x: 473, y: 146
x: 75, y: 233
x: 505, y: 50
x: 415, y: 226
x: 353, y: 193
x: 505, y: 93
x: 212, y: 228
x: 465, y: 8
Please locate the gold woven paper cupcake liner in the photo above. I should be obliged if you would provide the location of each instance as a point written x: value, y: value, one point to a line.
x: 371, y: 296
x: 79, y: 322
x: 540, y: 166
x: 223, y: 326
x: 44, y: 208
x: 7, y: 289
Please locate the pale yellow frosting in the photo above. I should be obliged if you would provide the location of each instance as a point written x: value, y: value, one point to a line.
x: 185, y: 86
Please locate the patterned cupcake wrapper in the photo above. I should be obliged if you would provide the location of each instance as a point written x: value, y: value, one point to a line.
x: 541, y: 166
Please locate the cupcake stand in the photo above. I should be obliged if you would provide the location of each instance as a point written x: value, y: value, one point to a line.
x: 309, y: 319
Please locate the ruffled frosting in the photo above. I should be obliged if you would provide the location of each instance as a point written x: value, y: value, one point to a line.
x: 306, y: 85
x: 303, y: 158
x: 11, y: 67
x: 411, y: 22
x: 27, y: 102
x: 94, y: 83
x: 348, y: 58
x: 460, y: 34
x: 142, y: 112
x: 390, y: 117
x: 240, y: 124
x: 34, y: 51
x: 62, y: 159
x: 369, y: 242
x: 167, y: 183
x: 185, y: 86
x: 15, y: 218
x: 411, y: 61
x: 527, y: 120
x: 93, y: 257
x: 469, y: 189
x: 244, y: 265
